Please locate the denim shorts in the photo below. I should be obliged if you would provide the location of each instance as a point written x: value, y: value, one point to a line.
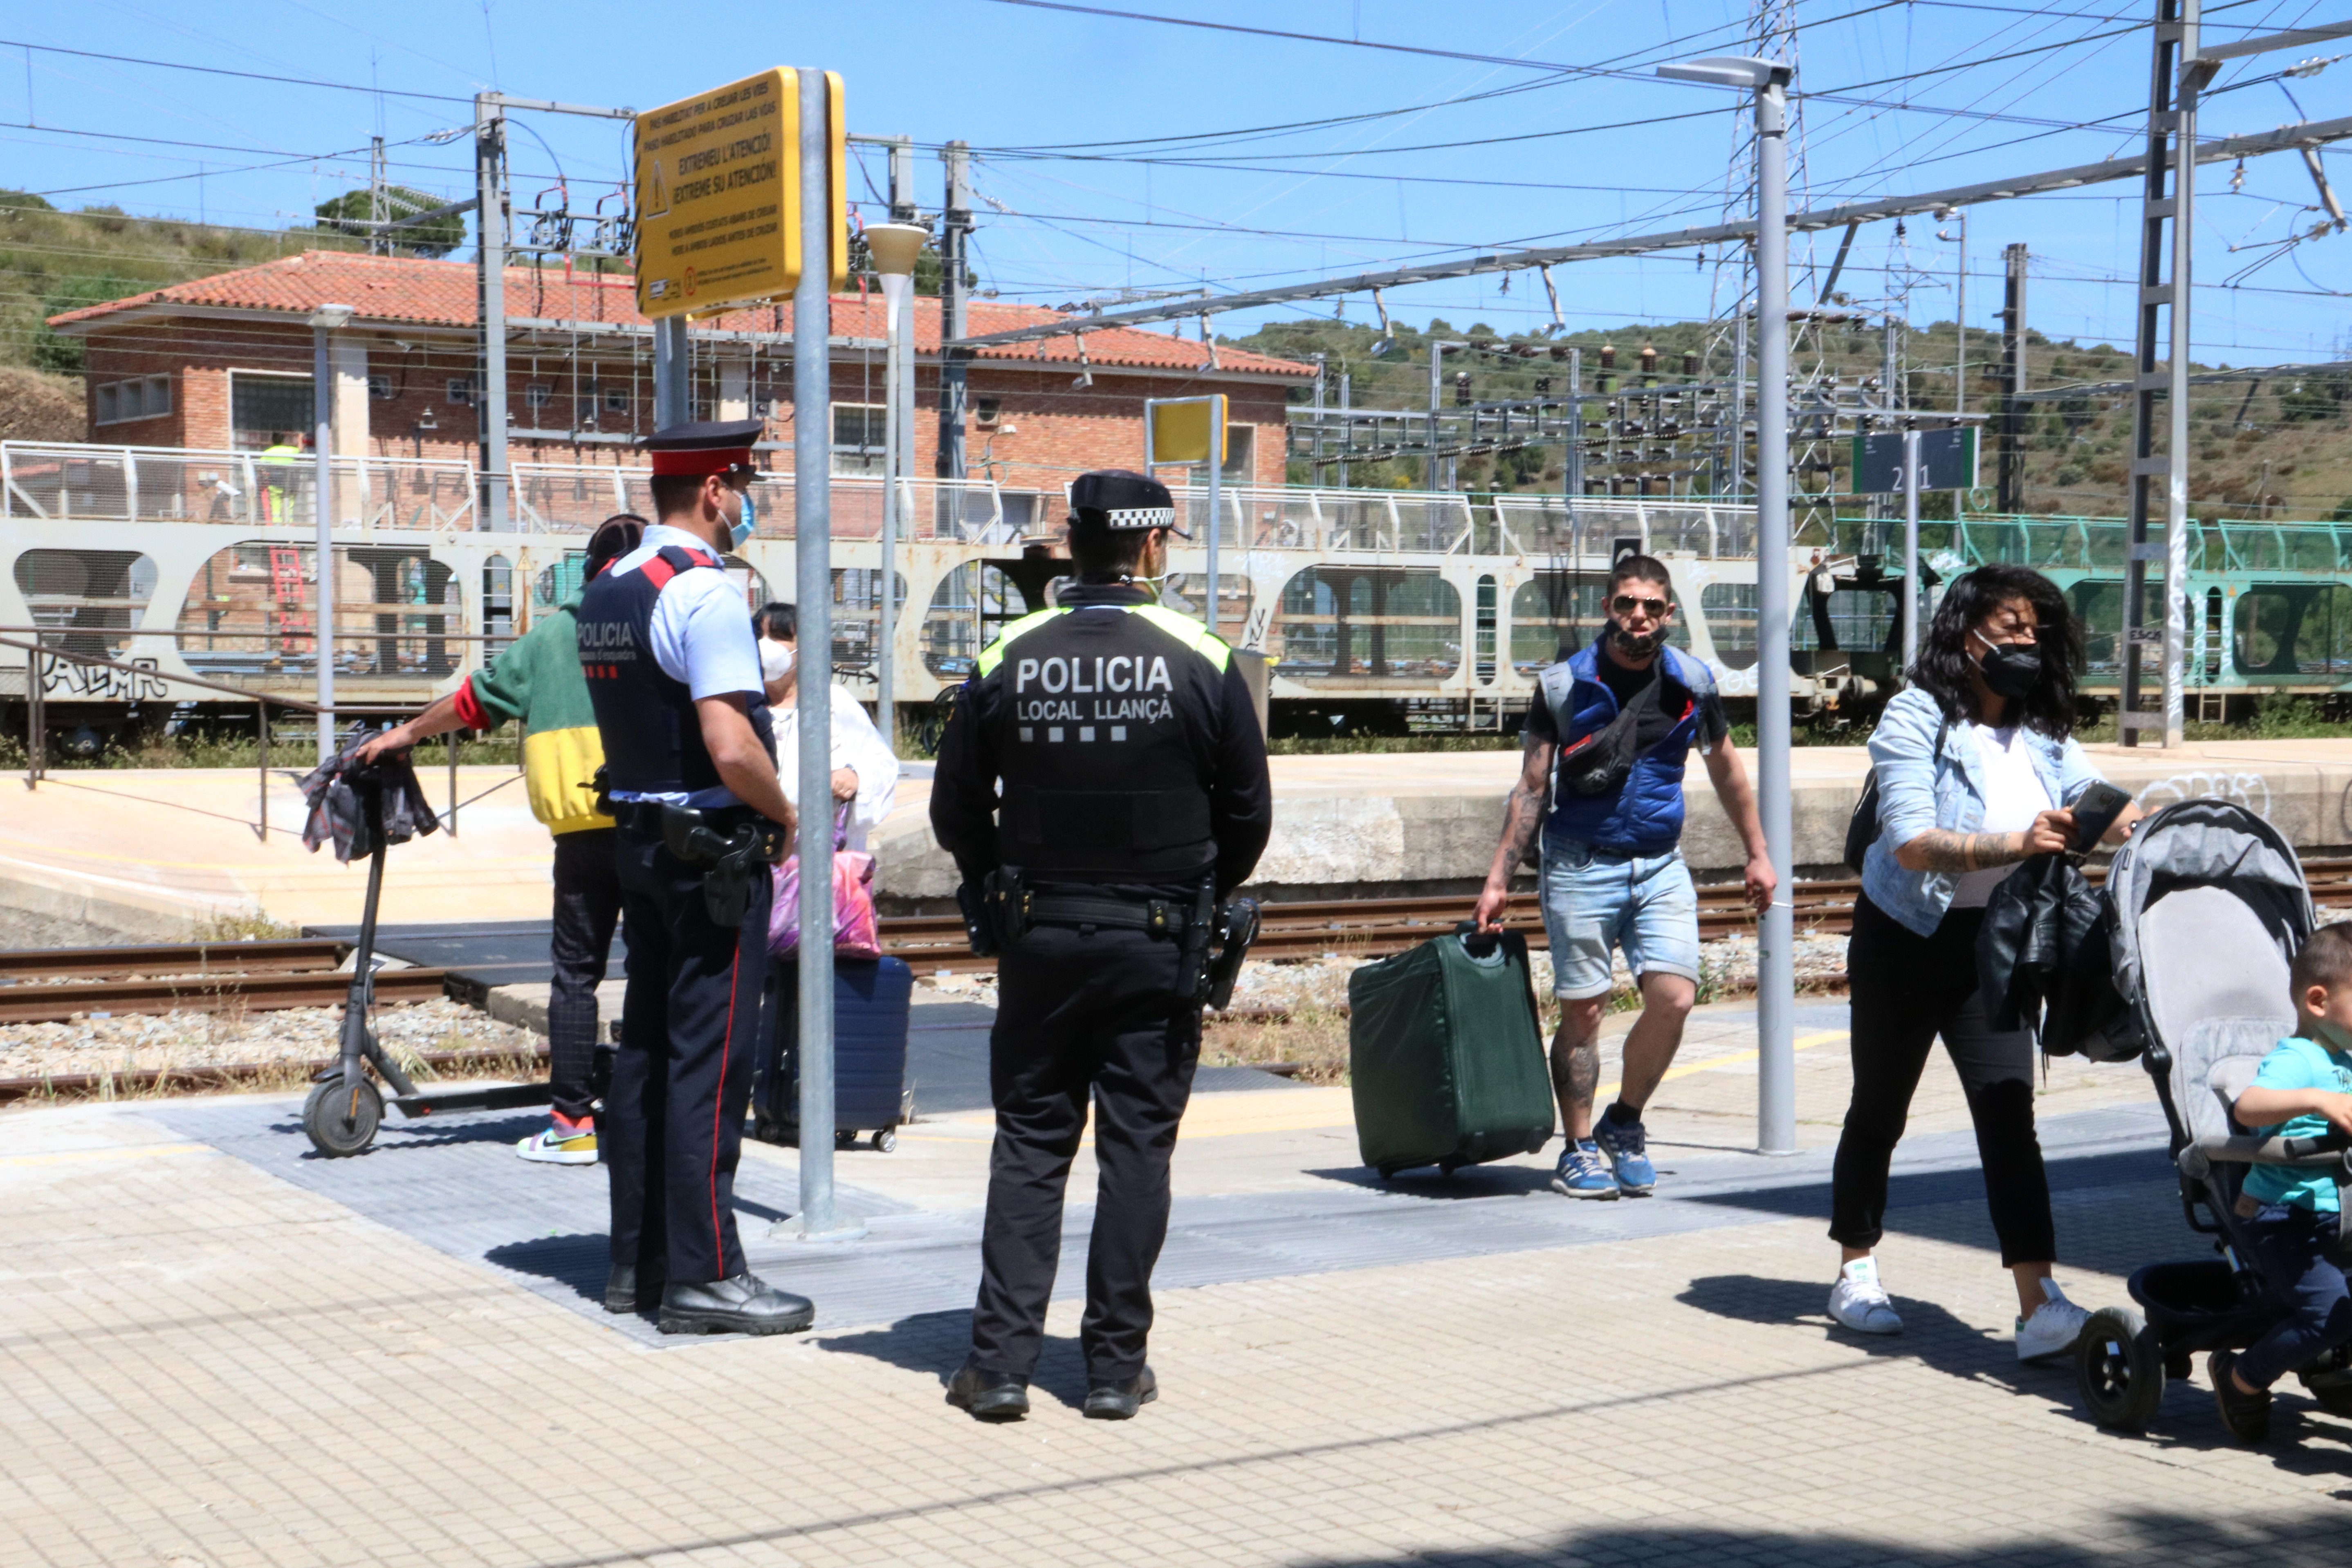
x: 1595, y: 898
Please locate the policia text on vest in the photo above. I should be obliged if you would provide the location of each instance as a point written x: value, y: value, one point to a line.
x: 1134, y: 799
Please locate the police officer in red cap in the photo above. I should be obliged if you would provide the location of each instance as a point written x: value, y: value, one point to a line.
x: 1133, y: 799
x: 674, y: 672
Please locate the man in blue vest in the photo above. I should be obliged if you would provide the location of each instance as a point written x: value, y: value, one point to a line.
x: 674, y: 674
x: 1606, y: 742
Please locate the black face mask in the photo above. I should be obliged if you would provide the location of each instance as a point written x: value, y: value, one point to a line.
x: 2011, y: 671
x: 1635, y: 645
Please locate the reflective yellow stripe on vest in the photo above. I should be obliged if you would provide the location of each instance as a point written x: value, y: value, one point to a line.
x: 1183, y: 629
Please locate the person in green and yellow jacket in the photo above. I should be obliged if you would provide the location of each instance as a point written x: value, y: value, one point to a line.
x: 537, y: 680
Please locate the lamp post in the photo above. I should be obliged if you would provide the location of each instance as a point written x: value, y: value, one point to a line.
x: 894, y: 247
x: 325, y: 320
x: 1776, y: 978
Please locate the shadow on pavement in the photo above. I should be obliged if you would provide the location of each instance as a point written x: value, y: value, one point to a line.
x: 430, y: 1132
x: 1931, y: 1335
x: 1429, y: 1181
x: 937, y: 1342
x: 578, y: 1261
x: 2316, y: 1537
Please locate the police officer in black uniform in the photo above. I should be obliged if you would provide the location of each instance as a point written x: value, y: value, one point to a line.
x: 1134, y: 798
x: 674, y: 672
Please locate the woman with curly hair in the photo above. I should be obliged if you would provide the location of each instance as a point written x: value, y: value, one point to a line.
x: 1977, y: 766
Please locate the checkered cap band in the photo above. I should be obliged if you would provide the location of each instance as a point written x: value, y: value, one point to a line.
x: 1140, y: 517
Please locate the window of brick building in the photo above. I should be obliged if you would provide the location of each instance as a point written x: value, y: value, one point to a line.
x: 120, y: 402
x: 266, y: 408
x: 857, y: 437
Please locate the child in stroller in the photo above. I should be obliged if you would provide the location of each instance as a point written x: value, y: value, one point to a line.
x: 2302, y: 1089
x: 2238, y: 1009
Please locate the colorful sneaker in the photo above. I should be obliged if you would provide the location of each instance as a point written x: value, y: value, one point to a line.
x: 561, y: 1143
x: 1581, y: 1175
x: 2054, y: 1327
x: 1627, y: 1144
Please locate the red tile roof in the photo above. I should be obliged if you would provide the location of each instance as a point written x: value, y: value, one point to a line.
x: 404, y: 290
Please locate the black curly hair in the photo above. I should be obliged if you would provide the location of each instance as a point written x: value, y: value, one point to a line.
x: 1944, y: 670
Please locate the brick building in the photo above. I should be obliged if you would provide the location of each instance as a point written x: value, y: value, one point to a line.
x: 226, y: 363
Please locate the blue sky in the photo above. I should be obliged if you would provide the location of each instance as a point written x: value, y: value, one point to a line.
x: 1457, y: 156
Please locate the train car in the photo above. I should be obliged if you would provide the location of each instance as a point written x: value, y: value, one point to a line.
x: 193, y: 577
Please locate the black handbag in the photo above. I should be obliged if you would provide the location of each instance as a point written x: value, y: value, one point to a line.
x: 1861, y: 827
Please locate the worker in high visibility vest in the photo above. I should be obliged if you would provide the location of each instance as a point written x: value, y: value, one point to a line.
x: 281, y: 454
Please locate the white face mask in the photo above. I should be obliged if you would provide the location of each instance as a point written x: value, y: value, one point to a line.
x: 775, y: 659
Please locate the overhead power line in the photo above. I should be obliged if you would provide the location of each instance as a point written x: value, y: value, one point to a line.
x: 2310, y: 134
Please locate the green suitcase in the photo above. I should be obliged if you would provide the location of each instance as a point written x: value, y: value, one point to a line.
x: 1446, y: 1055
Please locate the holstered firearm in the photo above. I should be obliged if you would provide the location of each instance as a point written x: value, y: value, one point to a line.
x: 733, y: 859
x: 1193, y: 966
x: 979, y: 928
x: 1237, y: 928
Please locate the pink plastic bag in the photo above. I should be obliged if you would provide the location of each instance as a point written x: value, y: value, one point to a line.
x: 856, y: 933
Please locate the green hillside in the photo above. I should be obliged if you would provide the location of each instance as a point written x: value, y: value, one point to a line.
x: 2282, y: 446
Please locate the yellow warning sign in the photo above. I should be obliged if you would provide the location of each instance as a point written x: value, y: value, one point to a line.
x: 718, y: 195
x: 1180, y: 429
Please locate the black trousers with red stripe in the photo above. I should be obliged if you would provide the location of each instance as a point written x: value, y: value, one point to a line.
x: 673, y: 1123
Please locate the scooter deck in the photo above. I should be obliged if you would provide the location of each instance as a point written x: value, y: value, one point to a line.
x: 499, y: 1097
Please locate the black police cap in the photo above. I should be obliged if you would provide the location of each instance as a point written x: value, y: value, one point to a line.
x: 1122, y: 500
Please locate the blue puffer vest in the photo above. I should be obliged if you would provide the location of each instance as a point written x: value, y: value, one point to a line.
x: 1645, y: 816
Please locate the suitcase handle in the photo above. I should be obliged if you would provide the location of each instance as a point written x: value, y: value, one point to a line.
x: 1474, y: 944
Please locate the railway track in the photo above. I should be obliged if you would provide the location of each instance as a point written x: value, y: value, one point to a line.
x: 47, y: 985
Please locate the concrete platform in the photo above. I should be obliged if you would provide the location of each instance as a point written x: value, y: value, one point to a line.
x: 207, y: 1336
x: 155, y: 854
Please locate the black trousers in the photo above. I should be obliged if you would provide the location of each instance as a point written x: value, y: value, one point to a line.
x: 1081, y: 1014
x: 1907, y: 989
x: 673, y: 1123
x: 587, y: 906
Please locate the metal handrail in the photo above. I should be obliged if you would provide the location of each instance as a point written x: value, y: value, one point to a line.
x: 36, y: 715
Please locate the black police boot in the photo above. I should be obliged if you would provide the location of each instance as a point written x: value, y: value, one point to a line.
x: 989, y: 1395
x: 743, y: 1305
x: 624, y: 1294
x: 1120, y: 1401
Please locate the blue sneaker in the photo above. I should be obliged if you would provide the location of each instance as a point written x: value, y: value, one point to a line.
x: 1581, y: 1175
x: 1627, y: 1144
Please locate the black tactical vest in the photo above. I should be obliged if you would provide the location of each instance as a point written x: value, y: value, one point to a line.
x: 653, y: 738
x: 1104, y: 751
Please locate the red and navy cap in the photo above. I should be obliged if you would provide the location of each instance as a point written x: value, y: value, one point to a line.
x: 704, y: 447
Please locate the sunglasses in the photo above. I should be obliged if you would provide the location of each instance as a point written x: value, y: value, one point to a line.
x: 1626, y: 604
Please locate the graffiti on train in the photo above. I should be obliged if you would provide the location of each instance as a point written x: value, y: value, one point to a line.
x: 2250, y: 791
x: 139, y: 680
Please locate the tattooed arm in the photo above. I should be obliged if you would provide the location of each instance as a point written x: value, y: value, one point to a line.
x: 1522, y: 819
x: 1942, y: 849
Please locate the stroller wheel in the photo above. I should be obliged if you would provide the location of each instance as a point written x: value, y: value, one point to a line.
x: 2120, y: 1368
x: 338, y: 1122
x: 2335, y: 1398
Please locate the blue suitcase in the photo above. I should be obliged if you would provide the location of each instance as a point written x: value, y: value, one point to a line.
x: 871, y: 1002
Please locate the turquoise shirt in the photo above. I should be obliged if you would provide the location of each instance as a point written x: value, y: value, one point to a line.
x: 2298, y: 1063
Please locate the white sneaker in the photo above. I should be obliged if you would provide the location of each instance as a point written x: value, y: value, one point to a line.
x: 2054, y: 1327
x: 1859, y: 1302
x: 560, y: 1144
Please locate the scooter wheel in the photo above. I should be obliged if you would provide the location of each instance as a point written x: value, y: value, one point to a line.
x: 339, y: 1123
x: 885, y: 1141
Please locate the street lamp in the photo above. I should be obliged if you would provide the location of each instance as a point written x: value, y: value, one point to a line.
x: 1776, y: 976
x: 325, y: 320
x: 895, y: 247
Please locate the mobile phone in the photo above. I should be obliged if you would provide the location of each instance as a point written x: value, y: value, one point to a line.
x: 2096, y: 810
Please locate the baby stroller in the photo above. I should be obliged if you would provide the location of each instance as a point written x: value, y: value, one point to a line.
x: 2209, y: 907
